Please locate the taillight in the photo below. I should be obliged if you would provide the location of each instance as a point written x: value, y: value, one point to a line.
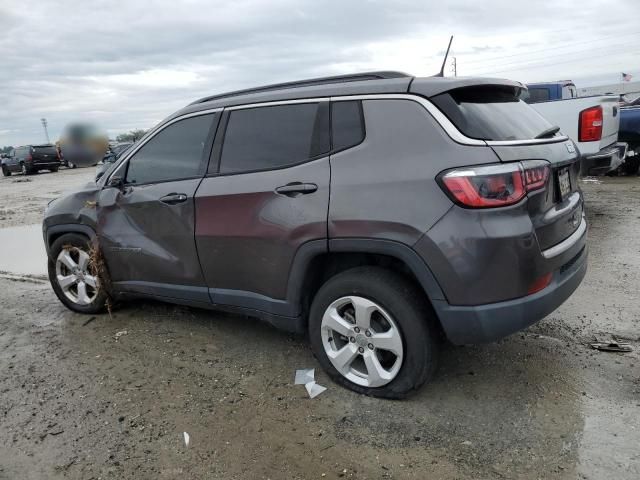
x: 28, y: 158
x: 495, y: 185
x: 590, y: 125
x: 540, y: 283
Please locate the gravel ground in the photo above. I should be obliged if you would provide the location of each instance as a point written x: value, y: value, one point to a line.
x: 78, y: 401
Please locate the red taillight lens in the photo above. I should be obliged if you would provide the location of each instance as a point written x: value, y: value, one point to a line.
x: 590, y: 125
x: 540, y: 284
x: 28, y: 158
x: 495, y: 185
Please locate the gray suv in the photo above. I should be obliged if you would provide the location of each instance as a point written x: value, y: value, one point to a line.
x: 377, y: 213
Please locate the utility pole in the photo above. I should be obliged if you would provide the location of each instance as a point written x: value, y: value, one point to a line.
x: 44, y: 125
x: 454, y: 67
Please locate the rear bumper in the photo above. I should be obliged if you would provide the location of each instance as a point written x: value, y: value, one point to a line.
x: 490, y: 322
x: 605, y: 160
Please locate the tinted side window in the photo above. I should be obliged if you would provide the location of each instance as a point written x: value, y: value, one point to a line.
x: 347, y: 126
x: 174, y: 153
x: 273, y: 137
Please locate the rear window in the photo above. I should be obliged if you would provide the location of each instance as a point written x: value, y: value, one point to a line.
x: 47, y: 150
x: 535, y: 95
x: 347, y: 126
x: 491, y: 113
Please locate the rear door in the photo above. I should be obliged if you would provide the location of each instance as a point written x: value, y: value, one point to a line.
x: 266, y: 196
x: 146, y: 229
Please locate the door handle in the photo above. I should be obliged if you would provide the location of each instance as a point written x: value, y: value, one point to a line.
x: 174, y: 198
x: 294, y: 189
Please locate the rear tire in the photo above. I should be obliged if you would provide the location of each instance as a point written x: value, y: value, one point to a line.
x: 5, y: 171
x: 68, y: 274
x: 632, y: 164
x: 53, y: 169
x: 397, y: 311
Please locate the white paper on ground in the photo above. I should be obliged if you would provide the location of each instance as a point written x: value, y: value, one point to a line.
x: 186, y: 438
x: 304, y: 376
x: 314, y: 389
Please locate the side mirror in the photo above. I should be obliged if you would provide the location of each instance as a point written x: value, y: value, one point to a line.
x: 116, y: 182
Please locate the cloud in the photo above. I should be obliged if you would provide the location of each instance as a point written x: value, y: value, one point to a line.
x: 129, y: 64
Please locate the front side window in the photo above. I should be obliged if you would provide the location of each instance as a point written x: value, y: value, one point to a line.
x: 274, y: 137
x: 173, y: 154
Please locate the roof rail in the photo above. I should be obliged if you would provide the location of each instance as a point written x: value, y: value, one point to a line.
x: 356, y: 77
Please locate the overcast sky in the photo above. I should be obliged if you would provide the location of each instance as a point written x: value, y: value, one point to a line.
x: 128, y: 64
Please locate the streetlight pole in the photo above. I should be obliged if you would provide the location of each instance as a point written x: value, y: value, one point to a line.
x: 44, y: 125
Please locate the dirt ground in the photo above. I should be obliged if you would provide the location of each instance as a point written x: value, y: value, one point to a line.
x: 79, y: 402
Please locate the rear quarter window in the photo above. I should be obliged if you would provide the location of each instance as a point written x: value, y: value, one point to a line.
x: 490, y: 112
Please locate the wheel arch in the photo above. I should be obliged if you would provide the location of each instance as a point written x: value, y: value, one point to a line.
x: 52, y: 233
x: 318, y: 261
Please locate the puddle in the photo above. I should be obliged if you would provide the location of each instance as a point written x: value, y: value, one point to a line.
x: 22, y: 250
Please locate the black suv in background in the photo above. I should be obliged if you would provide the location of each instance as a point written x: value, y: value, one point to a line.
x: 31, y: 159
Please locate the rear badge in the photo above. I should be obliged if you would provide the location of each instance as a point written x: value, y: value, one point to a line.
x: 570, y: 147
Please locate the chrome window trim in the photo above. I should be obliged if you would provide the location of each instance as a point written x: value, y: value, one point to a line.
x: 276, y: 103
x: 446, y: 124
x: 153, y: 132
x: 568, y: 242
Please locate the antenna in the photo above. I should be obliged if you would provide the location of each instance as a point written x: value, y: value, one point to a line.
x: 444, y: 62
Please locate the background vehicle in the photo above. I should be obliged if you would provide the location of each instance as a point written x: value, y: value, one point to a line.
x: 31, y: 159
x: 591, y: 122
x: 630, y: 133
x: 110, y: 157
x: 378, y: 212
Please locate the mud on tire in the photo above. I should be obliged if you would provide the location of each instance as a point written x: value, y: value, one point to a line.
x: 74, y: 244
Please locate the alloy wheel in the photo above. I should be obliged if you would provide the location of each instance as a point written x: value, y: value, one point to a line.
x: 74, y: 276
x: 362, y: 341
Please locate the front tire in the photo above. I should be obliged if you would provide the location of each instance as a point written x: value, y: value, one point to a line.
x: 5, y: 171
x: 72, y: 277
x: 373, y: 332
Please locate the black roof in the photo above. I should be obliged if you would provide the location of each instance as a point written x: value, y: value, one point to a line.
x: 385, y: 82
x: 356, y: 77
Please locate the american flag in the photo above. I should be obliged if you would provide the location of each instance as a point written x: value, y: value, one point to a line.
x: 626, y: 77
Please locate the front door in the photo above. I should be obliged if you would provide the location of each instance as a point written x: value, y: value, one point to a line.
x: 266, y: 197
x: 146, y: 227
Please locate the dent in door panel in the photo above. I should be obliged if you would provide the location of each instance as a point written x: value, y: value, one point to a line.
x: 144, y: 239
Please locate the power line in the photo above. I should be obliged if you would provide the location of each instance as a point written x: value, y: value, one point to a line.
x: 568, y: 44
x: 555, y: 63
x: 526, y: 61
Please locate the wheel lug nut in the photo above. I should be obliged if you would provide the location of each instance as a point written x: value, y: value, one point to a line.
x: 370, y: 346
x: 367, y: 333
x: 356, y: 329
x: 352, y: 339
x: 361, y: 350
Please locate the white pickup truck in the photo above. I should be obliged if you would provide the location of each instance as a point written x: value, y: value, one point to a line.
x: 591, y: 122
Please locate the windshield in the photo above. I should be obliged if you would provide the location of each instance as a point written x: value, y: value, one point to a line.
x: 491, y: 112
